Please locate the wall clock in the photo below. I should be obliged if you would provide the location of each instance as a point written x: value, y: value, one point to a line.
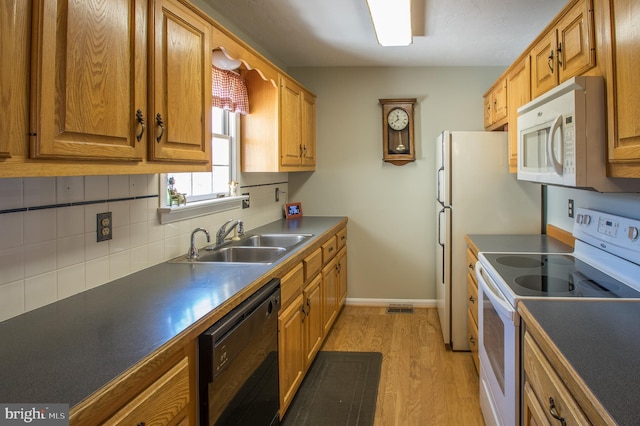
x: 398, y: 143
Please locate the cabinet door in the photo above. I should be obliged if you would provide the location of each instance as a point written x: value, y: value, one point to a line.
x: 89, y: 64
x: 290, y: 356
x: 487, y: 111
x: 518, y: 93
x: 499, y: 101
x: 180, y: 93
x: 575, y: 52
x: 161, y: 403
x: 290, y: 118
x: 341, y: 267
x: 308, y: 131
x: 544, y: 72
x: 533, y: 413
x: 329, y: 295
x: 14, y: 76
x: 623, y: 94
x: 313, y: 319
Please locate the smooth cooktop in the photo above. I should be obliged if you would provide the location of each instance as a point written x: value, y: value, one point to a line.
x: 556, y: 275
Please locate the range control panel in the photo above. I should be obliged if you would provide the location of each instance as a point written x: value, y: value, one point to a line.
x: 616, y: 234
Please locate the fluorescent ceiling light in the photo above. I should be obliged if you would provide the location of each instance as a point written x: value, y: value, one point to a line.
x: 392, y: 21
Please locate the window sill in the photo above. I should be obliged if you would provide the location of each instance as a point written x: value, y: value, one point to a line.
x: 199, y: 208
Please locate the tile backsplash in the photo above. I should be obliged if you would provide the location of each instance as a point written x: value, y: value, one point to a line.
x: 48, y: 248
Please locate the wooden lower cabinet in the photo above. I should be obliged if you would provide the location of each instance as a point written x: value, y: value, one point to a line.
x: 162, y: 403
x: 290, y: 352
x: 329, y: 295
x: 547, y: 395
x: 341, y: 269
x: 312, y: 328
x: 472, y: 306
x: 307, y: 316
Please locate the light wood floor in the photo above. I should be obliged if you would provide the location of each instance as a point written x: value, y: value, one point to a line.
x: 422, y: 383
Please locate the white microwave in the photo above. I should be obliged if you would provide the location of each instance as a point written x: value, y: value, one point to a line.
x: 561, y: 135
x: 562, y: 138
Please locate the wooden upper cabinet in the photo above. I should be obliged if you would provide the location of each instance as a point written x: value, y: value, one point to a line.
x: 623, y: 92
x: 180, y: 95
x: 291, y: 120
x: 495, y: 105
x: 89, y: 63
x: 568, y: 49
x: 309, y: 130
x: 519, y: 93
x: 297, y: 127
x: 14, y: 76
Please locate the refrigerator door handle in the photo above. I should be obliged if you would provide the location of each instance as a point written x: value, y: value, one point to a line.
x: 439, y: 173
x: 442, y: 210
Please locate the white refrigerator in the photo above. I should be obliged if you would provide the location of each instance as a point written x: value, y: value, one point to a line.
x: 476, y: 194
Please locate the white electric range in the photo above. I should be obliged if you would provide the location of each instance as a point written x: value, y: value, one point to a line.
x: 605, y: 265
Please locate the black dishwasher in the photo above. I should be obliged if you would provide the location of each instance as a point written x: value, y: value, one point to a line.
x: 238, y: 363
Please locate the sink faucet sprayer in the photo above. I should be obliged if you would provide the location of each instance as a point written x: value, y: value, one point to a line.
x: 223, y: 232
x: 193, y: 250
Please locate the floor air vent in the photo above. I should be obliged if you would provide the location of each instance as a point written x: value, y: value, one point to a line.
x: 400, y: 309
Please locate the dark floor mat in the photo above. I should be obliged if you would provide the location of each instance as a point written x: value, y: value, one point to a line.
x: 340, y: 389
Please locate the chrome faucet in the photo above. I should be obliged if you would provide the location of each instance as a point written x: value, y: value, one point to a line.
x: 223, y: 232
x: 193, y: 250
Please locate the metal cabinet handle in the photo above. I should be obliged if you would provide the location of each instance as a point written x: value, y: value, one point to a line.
x: 304, y: 312
x: 559, y: 51
x: 140, y: 120
x: 471, y: 299
x: 472, y: 341
x: 550, y: 61
x: 554, y: 412
x: 160, y: 123
x: 472, y: 266
x: 308, y: 306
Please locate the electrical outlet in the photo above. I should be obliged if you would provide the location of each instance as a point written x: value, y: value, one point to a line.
x: 246, y: 203
x: 277, y: 195
x: 570, y: 208
x: 104, y: 227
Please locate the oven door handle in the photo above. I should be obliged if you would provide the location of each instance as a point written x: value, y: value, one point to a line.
x: 499, y: 302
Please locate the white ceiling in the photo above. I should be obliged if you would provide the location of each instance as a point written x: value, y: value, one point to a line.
x: 340, y: 33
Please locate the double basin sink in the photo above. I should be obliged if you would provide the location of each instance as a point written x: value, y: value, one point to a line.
x: 260, y: 248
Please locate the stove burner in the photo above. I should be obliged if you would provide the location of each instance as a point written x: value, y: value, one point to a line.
x: 545, y: 283
x: 559, y: 260
x: 519, y: 262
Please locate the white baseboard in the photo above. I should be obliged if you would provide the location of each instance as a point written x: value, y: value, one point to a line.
x: 417, y: 303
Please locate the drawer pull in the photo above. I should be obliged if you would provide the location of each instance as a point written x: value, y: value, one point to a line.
x: 471, y: 266
x: 472, y: 341
x: 330, y: 249
x: 554, y: 412
x: 471, y: 299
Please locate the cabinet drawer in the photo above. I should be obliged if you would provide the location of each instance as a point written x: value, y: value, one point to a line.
x: 312, y: 264
x: 161, y: 402
x: 472, y: 298
x: 291, y: 284
x: 547, y: 385
x: 342, y: 238
x: 472, y: 337
x: 471, y: 263
x: 329, y: 249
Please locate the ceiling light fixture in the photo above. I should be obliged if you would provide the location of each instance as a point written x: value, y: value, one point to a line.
x: 391, y: 21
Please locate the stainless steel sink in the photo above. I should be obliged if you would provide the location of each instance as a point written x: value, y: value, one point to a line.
x: 242, y: 254
x: 273, y: 240
x: 264, y: 248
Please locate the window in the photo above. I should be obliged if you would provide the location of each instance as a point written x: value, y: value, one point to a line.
x: 215, y: 184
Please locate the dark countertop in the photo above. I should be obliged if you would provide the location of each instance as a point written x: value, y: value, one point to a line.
x: 65, y: 351
x: 601, y: 342
x: 519, y: 243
